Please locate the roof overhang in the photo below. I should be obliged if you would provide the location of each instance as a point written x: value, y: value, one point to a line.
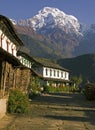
x: 5, y: 56
x: 8, y: 29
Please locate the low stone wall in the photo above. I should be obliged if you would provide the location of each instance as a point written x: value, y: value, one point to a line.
x: 3, y: 106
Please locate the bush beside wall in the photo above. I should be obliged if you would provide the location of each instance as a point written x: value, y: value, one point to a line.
x: 18, y: 102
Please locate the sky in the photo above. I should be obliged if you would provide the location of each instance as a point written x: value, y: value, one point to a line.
x: 83, y: 10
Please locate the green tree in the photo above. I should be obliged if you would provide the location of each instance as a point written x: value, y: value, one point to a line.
x: 77, y: 82
x: 35, y: 87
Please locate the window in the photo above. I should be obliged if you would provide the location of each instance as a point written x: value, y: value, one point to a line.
x: 12, y: 51
x: 61, y: 74
x: 7, y: 45
x: 57, y: 73
x: 50, y: 72
x: 54, y: 73
x: 46, y: 71
x: 23, y: 61
x: 65, y: 74
x: 2, y: 37
x: 30, y: 64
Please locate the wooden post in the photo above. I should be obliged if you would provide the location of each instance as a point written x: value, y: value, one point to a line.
x: 14, y: 78
x: 3, y: 78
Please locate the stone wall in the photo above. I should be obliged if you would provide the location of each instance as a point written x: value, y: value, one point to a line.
x: 14, y: 77
x: 23, y: 77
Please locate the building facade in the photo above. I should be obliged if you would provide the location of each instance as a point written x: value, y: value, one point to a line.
x: 12, y: 72
x: 51, y: 72
x: 17, y: 67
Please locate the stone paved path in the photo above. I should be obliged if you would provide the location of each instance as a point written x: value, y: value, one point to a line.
x: 54, y: 112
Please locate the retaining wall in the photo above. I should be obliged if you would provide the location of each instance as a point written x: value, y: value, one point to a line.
x: 3, y: 106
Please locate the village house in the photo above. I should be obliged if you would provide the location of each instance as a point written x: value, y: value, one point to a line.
x: 50, y: 72
x: 16, y: 65
x: 12, y: 72
x: 47, y: 71
x: 18, y: 68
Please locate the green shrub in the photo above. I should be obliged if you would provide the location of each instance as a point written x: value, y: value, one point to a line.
x: 59, y: 89
x: 32, y: 94
x: 35, y: 88
x: 74, y: 89
x: 18, y: 102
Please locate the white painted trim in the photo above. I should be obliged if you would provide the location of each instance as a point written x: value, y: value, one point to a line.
x: 11, y: 47
x: 55, y: 73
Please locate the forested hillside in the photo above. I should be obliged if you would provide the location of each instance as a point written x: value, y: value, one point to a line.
x: 83, y: 65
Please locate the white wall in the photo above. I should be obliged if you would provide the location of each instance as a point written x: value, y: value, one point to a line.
x: 7, y: 45
x: 55, y: 73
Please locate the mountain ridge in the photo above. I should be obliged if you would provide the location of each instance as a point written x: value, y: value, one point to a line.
x: 83, y: 65
x: 51, y: 18
x: 65, y: 39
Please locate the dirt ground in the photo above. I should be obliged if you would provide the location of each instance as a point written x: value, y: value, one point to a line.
x: 64, y: 111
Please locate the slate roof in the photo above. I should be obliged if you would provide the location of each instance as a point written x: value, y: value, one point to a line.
x: 25, y: 52
x: 47, y: 63
x: 5, y: 56
x: 39, y: 61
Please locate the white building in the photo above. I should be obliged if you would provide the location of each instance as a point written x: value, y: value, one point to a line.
x: 51, y: 72
x: 9, y: 40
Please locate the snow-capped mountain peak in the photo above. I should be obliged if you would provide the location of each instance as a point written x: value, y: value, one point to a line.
x: 50, y: 17
x: 53, y: 11
x: 64, y: 35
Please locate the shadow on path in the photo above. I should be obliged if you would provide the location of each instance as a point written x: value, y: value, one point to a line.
x: 74, y: 102
x: 69, y: 99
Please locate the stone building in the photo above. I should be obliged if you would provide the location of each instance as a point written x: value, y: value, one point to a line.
x: 17, y: 67
x: 12, y: 72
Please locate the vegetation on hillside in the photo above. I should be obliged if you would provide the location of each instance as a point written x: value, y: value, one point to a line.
x: 41, y: 48
x: 83, y: 65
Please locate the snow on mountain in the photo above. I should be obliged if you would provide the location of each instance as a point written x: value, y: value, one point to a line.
x: 63, y: 33
x: 50, y: 17
x: 13, y: 21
